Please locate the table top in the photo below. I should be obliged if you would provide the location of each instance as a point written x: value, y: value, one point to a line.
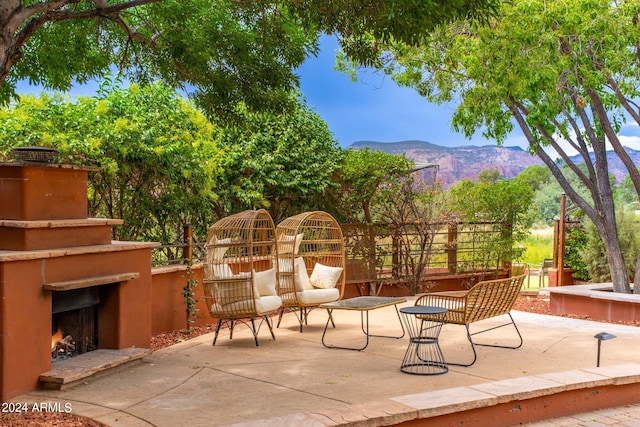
x: 423, y: 309
x: 363, y: 303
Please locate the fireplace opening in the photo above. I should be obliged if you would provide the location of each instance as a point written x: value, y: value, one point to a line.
x: 74, y: 323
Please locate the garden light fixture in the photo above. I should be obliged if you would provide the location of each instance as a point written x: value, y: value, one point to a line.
x: 602, y: 336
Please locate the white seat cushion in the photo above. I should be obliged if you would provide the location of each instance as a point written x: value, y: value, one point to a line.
x: 268, y: 304
x: 285, y: 264
x: 232, y: 291
x: 318, y: 296
x: 220, y: 251
x: 222, y: 271
x: 262, y: 305
x: 286, y: 283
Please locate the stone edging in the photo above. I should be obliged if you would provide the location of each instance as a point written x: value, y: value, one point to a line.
x: 523, y: 399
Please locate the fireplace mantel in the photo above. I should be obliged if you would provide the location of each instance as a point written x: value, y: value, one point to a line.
x: 89, y: 282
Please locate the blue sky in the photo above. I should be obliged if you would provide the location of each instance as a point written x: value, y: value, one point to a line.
x: 375, y: 108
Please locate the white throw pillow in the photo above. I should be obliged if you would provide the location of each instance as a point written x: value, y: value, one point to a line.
x: 285, y: 264
x: 265, y: 282
x: 289, y: 244
x: 301, y: 276
x: 222, y: 271
x: 324, y: 276
x: 219, y: 251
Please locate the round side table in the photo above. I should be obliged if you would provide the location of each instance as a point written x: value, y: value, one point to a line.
x: 423, y: 356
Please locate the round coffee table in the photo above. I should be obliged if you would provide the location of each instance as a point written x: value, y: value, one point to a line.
x: 423, y: 356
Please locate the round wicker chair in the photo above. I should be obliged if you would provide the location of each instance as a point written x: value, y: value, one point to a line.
x: 311, y: 262
x: 241, y: 272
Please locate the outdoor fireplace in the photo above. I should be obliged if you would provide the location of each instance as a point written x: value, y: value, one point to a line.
x: 60, y: 270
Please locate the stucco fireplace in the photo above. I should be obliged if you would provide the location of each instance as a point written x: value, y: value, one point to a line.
x: 54, y: 260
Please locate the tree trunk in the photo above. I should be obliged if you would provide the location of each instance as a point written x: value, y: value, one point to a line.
x: 619, y: 274
x: 602, y: 211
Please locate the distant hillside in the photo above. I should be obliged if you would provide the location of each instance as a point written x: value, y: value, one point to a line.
x: 456, y: 163
x: 615, y: 164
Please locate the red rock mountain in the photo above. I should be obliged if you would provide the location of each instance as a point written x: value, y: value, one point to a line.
x: 456, y: 163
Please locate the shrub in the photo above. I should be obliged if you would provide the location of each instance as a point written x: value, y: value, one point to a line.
x: 595, y: 256
x: 575, y: 241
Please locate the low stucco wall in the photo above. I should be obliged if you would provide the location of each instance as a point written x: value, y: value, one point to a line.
x: 597, y: 301
x: 169, y: 311
x: 168, y: 306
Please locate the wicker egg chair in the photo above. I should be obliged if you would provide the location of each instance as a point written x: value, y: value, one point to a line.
x: 311, y: 262
x: 241, y: 271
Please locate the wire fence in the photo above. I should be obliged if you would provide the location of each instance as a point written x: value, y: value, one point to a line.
x: 387, y: 250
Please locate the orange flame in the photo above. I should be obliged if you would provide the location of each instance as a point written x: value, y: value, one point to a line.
x: 56, y: 338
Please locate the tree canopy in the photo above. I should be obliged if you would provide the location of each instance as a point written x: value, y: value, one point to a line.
x: 157, y: 155
x: 364, y: 179
x: 220, y: 51
x: 279, y: 162
x: 162, y: 164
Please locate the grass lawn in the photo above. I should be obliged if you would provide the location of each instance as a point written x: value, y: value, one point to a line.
x: 539, y: 245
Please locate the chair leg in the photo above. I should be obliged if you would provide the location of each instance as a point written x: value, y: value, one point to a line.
x: 473, y: 349
x: 251, y: 324
x: 254, y: 330
x: 280, y: 314
x: 231, y: 326
x: 511, y: 322
x: 302, y: 315
x: 474, y: 344
x: 218, y: 325
x: 270, y: 324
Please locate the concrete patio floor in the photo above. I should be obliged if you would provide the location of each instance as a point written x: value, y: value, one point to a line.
x: 196, y: 384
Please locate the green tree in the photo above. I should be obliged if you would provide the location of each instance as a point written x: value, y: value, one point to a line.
x: 504, y: 205
x: 626, y: 195
x: 157, y: 155
x: 565, y: 72
x: 282, y: 163
x: 225, y: 50
x: 362, y: 184
x: 593, y: 250
x: 546, y: 198
x: 365, y: 177
x: 546, y: 203
x: 489, y: 176
x: 409, y: 210
x: 575, y: 241
x: 535, y: 177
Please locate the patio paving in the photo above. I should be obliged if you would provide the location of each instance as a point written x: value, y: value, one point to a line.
x: 294, y: 379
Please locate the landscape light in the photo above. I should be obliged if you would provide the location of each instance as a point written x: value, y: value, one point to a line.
x: 602, y: 336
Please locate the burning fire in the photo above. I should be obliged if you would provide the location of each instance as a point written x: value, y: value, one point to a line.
x: 56, y: 338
